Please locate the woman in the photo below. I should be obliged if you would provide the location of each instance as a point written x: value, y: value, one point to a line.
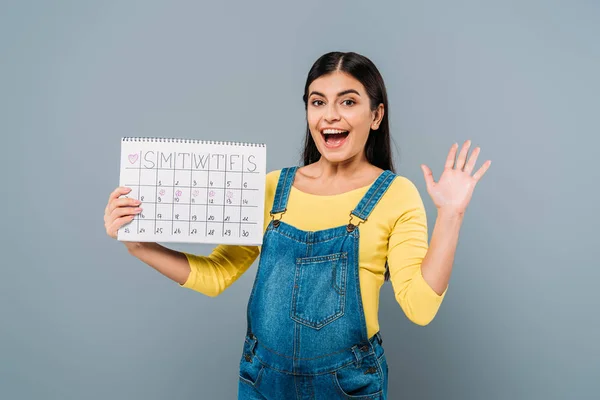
x: 335, y: 229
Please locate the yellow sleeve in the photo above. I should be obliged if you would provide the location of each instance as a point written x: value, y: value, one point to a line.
x: 407, y: 247
x: 211, y: 275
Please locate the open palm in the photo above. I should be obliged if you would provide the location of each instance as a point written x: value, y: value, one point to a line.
x: 454, y: 190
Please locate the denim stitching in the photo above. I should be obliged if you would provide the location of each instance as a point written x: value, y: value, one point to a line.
x: 298, y: 374
x: 379, y: 194
x: 383, y: 181
x: 320, y: 241
x: 373, y: 192
x: 300, y: 358
x: 288, y: 185
x: 363, y: 397
x: 279, y: 190
x: 258, y: 377
x: 343, y: 257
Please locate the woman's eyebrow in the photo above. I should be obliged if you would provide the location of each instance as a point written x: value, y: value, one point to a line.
x: 344, y: 92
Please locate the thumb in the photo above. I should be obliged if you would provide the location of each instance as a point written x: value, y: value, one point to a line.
x: 428, y: 176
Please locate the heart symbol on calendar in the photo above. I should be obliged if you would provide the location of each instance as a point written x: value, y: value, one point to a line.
x: 162, y: 192
x: 195, y: 193
x: 133, y: 158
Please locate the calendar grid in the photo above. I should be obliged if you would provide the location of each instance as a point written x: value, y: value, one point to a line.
x: 224, y: 195
x: 172, y: 180
x: 173, y: 205
x: 190, y: 210
x: 155, y: 192
x: 207, y: 184
x: 196, y: 187
x: 183, y: 169
x: 241, y: 197
x: 192, y: 203
x: 201, y: 221
x: 139, y: 188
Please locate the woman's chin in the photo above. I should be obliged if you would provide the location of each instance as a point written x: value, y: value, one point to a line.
x: 335, y: 157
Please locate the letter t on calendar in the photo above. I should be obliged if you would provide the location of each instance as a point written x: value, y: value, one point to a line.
x: 194, y: 191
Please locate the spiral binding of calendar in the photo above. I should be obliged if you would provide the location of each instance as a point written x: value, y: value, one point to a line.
x: 192, y: 141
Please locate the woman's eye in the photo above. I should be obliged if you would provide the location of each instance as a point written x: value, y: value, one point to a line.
x: 349, y: 102
x: 317, y: 102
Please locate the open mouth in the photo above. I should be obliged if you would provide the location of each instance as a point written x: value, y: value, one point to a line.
x: 334, y: 137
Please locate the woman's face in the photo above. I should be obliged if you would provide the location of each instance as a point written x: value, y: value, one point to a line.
x: 339, y: 116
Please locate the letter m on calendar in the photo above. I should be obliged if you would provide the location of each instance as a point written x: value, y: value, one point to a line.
x: 194, y: 191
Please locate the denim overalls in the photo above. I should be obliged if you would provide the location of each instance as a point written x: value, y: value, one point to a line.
x: 306, y: 332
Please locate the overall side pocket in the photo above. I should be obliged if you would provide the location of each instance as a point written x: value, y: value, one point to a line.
x: 365, y: 382
x: 250, y: 367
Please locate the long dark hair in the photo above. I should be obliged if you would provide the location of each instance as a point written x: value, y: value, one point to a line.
x: 377, y: 149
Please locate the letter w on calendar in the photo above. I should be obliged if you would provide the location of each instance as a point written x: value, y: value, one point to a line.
x: 194, y: 191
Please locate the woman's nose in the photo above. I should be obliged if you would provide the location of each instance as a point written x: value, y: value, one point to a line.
x: 331, y: 113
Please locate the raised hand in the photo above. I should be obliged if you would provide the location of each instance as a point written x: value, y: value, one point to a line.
x: 454, y: 189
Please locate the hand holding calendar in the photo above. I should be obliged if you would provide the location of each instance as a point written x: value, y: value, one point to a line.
x: 192, y: 191
x: 119, y: 211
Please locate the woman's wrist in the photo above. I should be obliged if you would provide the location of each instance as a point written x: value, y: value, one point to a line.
x: 132, y: 247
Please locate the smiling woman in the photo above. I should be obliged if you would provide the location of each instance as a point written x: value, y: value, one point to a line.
x: 335, y: 229
x: 315, y: 285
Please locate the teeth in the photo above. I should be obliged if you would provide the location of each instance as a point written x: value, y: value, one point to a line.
x: 332, y: 131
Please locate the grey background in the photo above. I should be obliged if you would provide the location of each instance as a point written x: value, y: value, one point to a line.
x: 81, y: 319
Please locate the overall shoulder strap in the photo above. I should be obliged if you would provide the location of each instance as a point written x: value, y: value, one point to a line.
x: 282, y: 192
x: 373, y: 195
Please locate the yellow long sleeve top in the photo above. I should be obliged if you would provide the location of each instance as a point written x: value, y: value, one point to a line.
x: 396, y: 231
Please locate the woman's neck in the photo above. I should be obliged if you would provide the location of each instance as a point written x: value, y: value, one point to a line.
x: 325, y: 178
x: 348, y: 169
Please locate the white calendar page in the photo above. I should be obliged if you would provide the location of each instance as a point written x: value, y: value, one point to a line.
x: 194, y: 191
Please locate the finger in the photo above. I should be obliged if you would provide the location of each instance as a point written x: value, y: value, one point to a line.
x: 428, y: 176
x: 121, y: 212
x: 115, y: 194
x: 479, y: 174
x: 117, y: 224
x: 122, y: 202
x: 125, y: 211
x: 462, y: 156
x: 472, y: 160
x: 121, y: 190
x: 451, y: 156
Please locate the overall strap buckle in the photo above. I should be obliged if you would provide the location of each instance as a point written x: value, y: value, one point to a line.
x: 350, y: 227
x: 276, y: 221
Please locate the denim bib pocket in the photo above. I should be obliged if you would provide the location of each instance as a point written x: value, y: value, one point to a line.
x: 319, y: 293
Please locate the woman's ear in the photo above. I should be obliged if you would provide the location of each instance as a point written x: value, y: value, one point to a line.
x: 377, y: 117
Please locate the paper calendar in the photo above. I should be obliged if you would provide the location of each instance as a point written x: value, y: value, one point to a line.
x: 194, y: 190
